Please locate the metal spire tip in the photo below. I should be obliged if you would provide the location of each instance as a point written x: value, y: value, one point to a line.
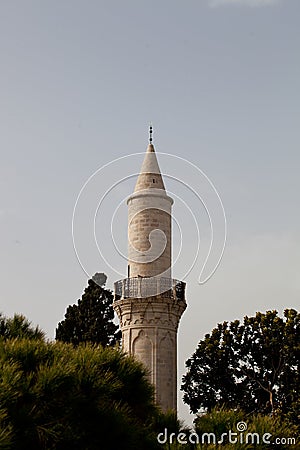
x: 150, y: 134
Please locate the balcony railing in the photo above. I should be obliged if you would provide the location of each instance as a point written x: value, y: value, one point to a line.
x: 142, y: 287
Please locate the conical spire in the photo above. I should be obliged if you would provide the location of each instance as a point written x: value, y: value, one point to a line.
x: 150, y: 176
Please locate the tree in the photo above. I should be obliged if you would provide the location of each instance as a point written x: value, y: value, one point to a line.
x: 19, y: 326
x: 54, y: 395
x: 252, y: 365
x: 92, y: 319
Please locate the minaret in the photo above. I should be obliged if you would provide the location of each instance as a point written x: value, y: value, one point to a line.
x: 149, y: 303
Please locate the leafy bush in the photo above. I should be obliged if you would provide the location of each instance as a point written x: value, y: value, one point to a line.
x: 221, y: 420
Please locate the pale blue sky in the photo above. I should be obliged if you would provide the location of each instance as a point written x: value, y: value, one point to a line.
x: 79, y: 83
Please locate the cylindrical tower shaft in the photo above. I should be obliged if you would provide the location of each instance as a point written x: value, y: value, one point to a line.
x: 149, y: 223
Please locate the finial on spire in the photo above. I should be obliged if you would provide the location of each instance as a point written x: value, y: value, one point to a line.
x: 150, y: 134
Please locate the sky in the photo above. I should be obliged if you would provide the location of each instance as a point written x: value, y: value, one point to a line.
x: 79, y: 84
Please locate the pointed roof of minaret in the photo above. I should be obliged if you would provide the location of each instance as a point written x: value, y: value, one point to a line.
x: 150, y: 176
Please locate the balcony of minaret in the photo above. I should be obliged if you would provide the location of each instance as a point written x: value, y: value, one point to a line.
x: 144, y: 287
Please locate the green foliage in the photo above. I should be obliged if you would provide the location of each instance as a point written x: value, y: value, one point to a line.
x: 5, y: 432
x: 170, y: 422
x: 169, y: 427
x: 19, y: 327
x: 92, y: 319
x: 221, y: 428
x: 220, y: 421
x: 57, y: 396
x: 253, y: 366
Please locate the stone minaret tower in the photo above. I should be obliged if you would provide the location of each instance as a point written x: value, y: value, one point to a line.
x: 149, y: 303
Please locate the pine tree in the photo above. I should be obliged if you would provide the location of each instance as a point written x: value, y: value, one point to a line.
x: 19, y: 327
x: 57, y: 396
x: 92, y: 319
